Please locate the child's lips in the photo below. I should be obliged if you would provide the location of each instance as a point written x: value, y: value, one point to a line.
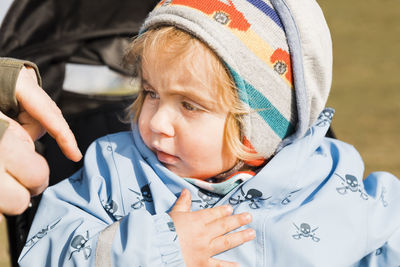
x: 166, y: 158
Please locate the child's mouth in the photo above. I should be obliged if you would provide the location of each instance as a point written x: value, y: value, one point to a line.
x: 166, y: 158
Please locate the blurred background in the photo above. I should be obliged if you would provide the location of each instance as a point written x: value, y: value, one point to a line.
x: 366, y: 83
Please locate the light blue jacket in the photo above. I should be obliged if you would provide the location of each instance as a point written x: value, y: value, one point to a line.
x: 309, y: 204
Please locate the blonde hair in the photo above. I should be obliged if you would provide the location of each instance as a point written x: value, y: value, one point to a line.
x: 176, y: 44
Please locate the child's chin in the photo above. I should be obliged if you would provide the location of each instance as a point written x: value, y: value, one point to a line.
x: 183, y: 172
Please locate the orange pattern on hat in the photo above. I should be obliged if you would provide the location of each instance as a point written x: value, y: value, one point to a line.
x: 254, y: 162
x: 281, y: 63
x: 235, y: 19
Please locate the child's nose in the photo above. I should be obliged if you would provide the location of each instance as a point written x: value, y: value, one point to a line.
x: 162, y: 122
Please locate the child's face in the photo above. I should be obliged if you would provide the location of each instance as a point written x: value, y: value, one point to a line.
x: 181, y: 120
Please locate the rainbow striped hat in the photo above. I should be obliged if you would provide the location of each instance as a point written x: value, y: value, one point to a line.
x: 278, y: 52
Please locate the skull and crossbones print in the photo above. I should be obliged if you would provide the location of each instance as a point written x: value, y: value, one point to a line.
x: 252, y: 196
x: 325, y: 117
x: 39, y: 235
x: 144, y: 196
x: 304, y: 231
x: 207, y: 199
x: 79, y: 244
x: 111, y: 207
x: 350, y: 183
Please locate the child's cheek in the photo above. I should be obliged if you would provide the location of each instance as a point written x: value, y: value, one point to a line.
x: 144, y: 129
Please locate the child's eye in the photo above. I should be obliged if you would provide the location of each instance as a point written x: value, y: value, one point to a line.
x: 189, y: 106
x: 151, y: 93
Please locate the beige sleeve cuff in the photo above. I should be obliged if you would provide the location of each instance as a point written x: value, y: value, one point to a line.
x: 9, y: 71
x: 3, y: 127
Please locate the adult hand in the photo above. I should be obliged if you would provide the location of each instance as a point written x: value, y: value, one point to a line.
x: 203, y: 234
x: 39, y: 113
x: 23, y: 172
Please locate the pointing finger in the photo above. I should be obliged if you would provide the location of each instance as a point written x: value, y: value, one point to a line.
x: 31, y: 126
x: 41, y: 107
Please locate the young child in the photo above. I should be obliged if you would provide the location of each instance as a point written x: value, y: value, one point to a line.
x: 230, y: 112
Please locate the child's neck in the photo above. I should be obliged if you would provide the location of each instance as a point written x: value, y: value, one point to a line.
x: 239, y: 166
x: 225, y: 175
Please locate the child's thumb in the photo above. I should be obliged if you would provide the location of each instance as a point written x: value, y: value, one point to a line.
x: 183, y: 203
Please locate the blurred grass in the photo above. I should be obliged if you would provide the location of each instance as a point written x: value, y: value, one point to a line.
x: 366, y: 83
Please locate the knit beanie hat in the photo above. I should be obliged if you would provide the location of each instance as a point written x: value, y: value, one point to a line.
x: 277, y: 51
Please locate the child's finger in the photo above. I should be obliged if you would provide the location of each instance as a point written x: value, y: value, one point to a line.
x: 212, y: 214
x: 226, y: 242
x: 183, y: 203
x: 220, y: 263
x: 226, y: 224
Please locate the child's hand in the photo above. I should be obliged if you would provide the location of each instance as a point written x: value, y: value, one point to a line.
x: 202, y: 233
